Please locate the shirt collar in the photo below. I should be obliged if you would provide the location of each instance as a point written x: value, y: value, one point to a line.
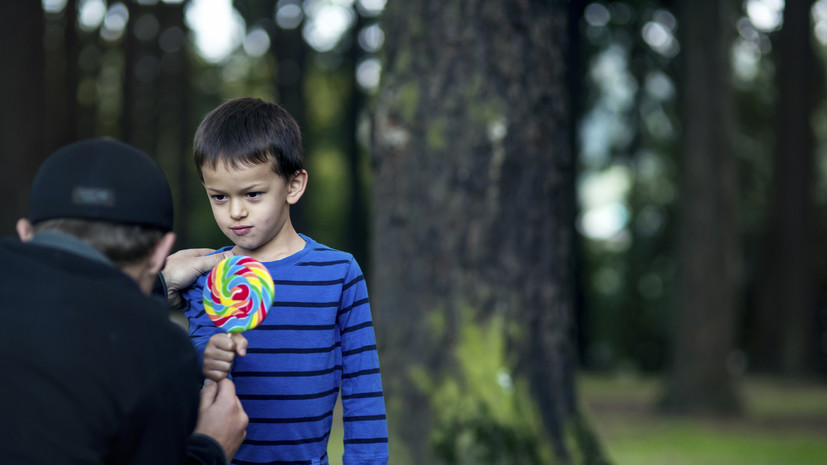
x: 69, y: 244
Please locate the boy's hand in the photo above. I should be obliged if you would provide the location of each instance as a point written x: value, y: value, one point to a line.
x: 219, y: 354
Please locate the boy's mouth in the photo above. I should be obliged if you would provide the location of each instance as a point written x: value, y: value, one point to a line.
x: 241, y: 230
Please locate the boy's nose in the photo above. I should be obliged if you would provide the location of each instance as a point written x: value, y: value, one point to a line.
x: 237, y: 210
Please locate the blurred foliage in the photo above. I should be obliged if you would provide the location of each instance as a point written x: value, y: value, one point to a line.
x: 630, y: 98
x: 629, y: 134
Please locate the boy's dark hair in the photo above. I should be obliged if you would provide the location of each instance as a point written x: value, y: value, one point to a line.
x: 124, y: 244
x: 249, y: 131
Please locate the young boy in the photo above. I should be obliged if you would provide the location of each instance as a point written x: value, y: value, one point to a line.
x: 318, y: 335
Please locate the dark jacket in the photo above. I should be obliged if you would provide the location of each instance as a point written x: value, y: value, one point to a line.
x: 94, y: 371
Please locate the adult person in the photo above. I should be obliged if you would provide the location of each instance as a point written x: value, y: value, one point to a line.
x: 95, y: 371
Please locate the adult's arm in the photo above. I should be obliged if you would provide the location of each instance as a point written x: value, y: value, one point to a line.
x: 164, y: 414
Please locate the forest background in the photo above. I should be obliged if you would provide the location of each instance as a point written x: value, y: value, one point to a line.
x: 535, y: 189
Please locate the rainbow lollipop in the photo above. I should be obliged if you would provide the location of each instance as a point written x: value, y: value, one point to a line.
x: 238, y: 294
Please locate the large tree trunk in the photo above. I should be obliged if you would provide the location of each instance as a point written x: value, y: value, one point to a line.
x: 473, y: 216
x: 783, y: 336
x: 22, y: 119
x: 705, y: 304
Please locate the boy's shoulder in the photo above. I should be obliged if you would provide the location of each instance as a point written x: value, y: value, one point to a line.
x: 317, y: 249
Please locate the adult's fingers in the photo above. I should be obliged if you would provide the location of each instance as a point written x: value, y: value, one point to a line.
x: 194, y: 252
x: 209, y: 394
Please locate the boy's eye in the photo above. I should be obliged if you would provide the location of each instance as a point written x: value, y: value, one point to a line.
x: 219, y: 197
x: 253, y: 195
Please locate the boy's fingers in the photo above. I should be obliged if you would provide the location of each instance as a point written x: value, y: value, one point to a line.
x: 213, y: 363
x: 240, y: 344
x: 224, y: 341
x: 215, y: 375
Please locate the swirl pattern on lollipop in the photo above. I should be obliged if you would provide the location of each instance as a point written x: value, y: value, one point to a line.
x: 238, y: 294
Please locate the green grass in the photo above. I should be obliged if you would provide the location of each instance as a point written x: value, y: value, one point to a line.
x: 784, y: 424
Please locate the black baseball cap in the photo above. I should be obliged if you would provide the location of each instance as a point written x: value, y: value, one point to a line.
x: 102, y: 179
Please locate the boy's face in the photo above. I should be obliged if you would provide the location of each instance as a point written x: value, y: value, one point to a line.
x: 251, y: 206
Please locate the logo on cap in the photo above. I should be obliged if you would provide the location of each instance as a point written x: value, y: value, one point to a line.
x: 93, y: 196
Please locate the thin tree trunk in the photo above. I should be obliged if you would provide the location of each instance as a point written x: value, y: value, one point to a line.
x: 705, y: 310
x: 173, y: 122
x: 783, y: 333
x: 22, y: 120
x: 290, y: 51
x: 357, y: 218
x: 62, y: 75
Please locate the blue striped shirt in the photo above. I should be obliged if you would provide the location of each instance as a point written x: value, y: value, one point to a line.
x: 317, y: 338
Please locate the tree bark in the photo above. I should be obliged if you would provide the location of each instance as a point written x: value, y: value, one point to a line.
x: 22, y: 120
x: 473, y: 202
x: 782, y: 334
x: 357, y: 227
x: 62, y: 75
x: 290, y: 52
x: 699, y: 380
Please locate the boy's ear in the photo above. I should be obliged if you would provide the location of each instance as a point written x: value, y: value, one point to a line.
x: 296, y: 187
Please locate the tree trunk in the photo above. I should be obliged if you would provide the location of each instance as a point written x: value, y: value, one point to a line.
x: 62, y: 75
x: 473, y: 223
x: 699, y: 380
x: 290, y: 52
x: 23, y: 116
x: 783, y: 334
x: 357, y: 234
x: 173, y: 120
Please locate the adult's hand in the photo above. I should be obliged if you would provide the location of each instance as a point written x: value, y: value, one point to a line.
x: 221, y: 417
x: 183, y: 267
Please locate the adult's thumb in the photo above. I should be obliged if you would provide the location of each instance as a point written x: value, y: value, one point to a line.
x: 208, y: 395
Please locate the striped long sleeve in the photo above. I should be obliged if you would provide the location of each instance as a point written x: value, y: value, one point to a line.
x: 316, y: 342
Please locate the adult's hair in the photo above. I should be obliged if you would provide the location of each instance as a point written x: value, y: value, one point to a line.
x: 123, y: 244
x: 248, y: 131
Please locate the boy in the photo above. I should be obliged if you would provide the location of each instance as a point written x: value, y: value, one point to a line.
x: 318, y: 335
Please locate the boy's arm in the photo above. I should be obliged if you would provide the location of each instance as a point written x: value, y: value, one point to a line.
x: 366, y: 434
x: 200, y: 327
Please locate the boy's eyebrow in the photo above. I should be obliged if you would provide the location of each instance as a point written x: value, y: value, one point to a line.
x: 248, y: 188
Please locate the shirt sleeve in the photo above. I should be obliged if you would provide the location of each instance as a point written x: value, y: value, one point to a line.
x: 200, y: 328
x: 204, y: 450
x: 363, y: 404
